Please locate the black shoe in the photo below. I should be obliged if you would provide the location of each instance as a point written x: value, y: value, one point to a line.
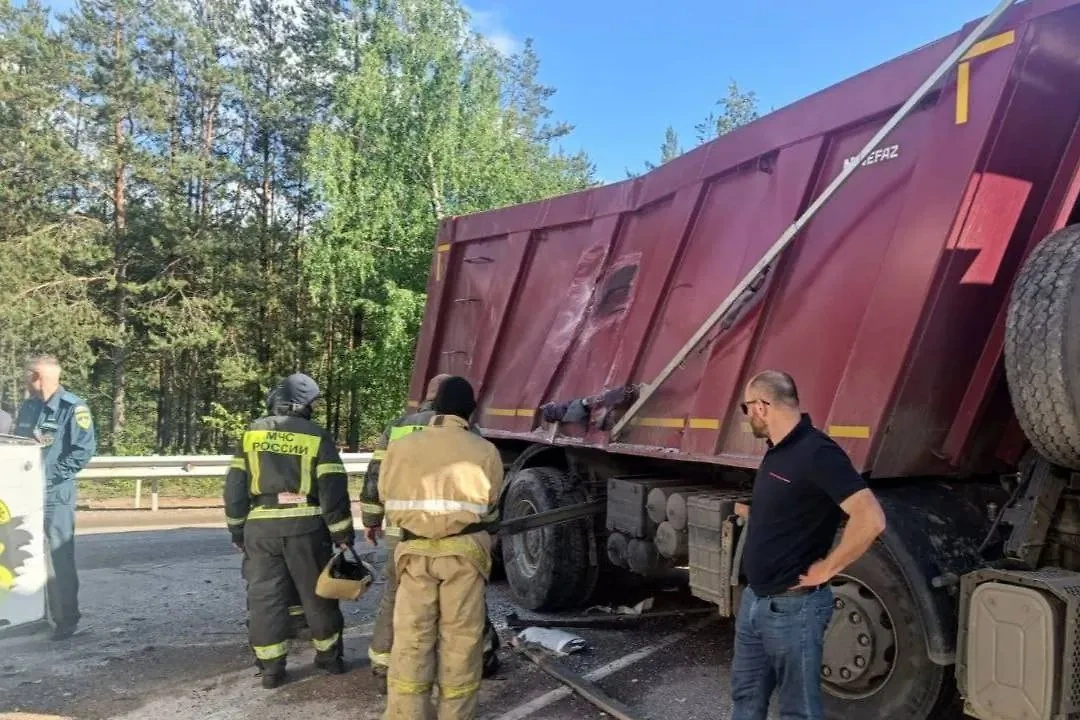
x: 491, y: 666
x: 62, y: 632
x: 335, y: 666
x: 271, y: 680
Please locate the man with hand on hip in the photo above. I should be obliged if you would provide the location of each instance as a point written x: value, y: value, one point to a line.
x: 804, y: 487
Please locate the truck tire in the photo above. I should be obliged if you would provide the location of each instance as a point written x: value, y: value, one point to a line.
x: 1042, y: 347
x: 876, y: 639
x: 548, y: 568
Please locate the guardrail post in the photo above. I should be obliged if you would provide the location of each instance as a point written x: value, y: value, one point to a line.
x: 138, y: 493
x: 154, y: 495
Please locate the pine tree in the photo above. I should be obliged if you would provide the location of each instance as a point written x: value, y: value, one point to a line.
x: 52, y: 260
x: 737, y: 108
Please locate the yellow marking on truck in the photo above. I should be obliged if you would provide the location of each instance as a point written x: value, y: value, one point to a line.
x: 991, y: 44
x: 445, y: 247
x: 704, y: 424
x: 855, y: 432
x: 963, y: 70
x: 652, y: 422
x: 511, y: 412
x: 963, y: 92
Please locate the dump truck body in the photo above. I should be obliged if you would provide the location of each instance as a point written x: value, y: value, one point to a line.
x: 881, y: 308
x: 929, y: 312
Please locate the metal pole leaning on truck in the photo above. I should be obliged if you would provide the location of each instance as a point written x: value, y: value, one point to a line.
x: 785, y: 239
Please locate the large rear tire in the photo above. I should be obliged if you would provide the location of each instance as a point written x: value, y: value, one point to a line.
x: 548, y: 568
x: 1042, y: 347
x: 875, y: 663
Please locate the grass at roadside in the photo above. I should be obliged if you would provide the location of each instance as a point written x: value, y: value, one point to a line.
x: 97, y: 490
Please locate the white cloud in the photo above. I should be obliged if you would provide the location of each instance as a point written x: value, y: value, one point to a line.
x: 489, y: 24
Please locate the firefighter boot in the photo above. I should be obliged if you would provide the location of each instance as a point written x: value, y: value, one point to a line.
x: 331, y: 662
x: 380, y: 674
x: 273, y: 674
x: 491, y: 649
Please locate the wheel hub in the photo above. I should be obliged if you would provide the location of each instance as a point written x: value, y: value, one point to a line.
x: 529, y: 546
x: 860, y: 643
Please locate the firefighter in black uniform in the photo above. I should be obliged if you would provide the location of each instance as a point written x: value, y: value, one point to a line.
x: 287, y: 505
x: 299, y: 628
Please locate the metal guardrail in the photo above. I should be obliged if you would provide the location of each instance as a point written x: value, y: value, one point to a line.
x: 156, y: 468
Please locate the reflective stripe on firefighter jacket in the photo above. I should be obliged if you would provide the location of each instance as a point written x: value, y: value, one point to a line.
x: 287, y: 479
x: 372, y: 511
x: 438, y: 484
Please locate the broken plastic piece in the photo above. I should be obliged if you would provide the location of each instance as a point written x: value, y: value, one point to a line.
x: 558, y: 641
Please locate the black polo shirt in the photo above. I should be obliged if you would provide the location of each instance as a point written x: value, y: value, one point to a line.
x: 795, y: 511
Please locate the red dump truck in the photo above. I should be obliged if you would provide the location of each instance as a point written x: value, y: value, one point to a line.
x: 928, y: 305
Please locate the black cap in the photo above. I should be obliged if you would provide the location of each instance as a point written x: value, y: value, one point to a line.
x: 298, y: 390
x: 455, y: 397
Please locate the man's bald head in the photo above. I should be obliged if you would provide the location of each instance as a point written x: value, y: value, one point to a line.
x: 777, y: 387
x: 43, y: 376
x: 433, y: 386
x: 771, y: 404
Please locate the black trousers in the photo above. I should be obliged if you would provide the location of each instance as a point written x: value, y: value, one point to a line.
x: 296, y: 610
x: 272, y: 564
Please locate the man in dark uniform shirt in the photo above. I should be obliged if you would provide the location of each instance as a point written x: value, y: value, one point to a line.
x: 804, y: 487
x: 60, y: 421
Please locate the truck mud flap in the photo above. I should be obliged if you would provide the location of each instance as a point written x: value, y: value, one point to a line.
x: 933, y: 532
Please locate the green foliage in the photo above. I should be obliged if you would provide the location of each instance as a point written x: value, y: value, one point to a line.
x: 201, y: 196
x: 736, y: 108
x: 230, y: 425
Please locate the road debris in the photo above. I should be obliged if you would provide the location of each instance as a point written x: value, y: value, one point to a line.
x: 587, y: 690
x: 557, y: 641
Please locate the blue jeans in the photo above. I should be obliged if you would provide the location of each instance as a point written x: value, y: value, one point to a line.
x: 778, y: 642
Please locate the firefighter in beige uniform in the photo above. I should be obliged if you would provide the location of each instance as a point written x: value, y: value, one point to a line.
x: 441, y: 487
x: 372, y: 514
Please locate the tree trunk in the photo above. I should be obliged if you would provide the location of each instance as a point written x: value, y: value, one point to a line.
x: 356, y: 337
x: 120, y: 300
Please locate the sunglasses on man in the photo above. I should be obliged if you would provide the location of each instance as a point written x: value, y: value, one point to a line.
x: 746, y: 405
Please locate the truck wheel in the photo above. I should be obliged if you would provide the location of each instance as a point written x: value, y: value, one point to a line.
x: 1042, y: 347
x: 875, y: 663
x: 548, y: 568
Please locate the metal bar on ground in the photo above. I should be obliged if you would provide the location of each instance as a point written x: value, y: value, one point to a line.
x: 517, y: 623
x: 154, y: 494
x: 796, y: 227
x: 575, y: 682
x: 552, y: 517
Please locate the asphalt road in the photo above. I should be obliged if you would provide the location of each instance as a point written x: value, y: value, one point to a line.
x: 165, y: 638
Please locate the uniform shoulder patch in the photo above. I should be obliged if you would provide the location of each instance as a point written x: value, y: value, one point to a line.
x: 82, y: 417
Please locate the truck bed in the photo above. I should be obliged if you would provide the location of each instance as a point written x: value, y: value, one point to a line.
x: 888, y: 308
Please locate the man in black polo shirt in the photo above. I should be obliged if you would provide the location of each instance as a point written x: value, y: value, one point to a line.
x: 803, y: 489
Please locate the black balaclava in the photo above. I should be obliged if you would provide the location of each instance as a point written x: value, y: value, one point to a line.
x: 455, y: 397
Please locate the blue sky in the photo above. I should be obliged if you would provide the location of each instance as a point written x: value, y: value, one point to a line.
x: 626, y: 69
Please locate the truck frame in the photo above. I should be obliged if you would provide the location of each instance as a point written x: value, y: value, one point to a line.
x: 929, y: 310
